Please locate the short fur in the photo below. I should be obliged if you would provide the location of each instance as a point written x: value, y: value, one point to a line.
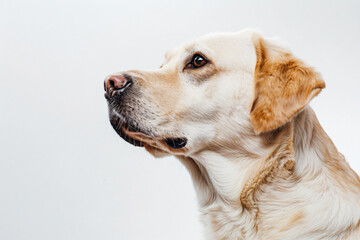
x: 262, y: 166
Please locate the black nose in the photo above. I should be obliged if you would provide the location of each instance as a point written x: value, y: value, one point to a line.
x: 116, y: 84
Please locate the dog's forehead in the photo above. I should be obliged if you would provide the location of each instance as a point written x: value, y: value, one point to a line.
x: 232, y: 46
x: 219, y: 38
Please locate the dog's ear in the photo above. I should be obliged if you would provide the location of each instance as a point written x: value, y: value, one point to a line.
x: 283, y: 86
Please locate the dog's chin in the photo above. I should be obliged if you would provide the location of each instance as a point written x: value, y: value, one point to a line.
x: 136, y: 136
x: 123, y: 129
x: 129, y: 139
x: 156, y: 152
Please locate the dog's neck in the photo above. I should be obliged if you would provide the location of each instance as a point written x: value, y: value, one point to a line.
x: 317, y: 156
x: 232, y: 171
x: 299, y: 153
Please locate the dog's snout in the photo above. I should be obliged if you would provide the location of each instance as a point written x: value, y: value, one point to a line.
x: 116, y: 84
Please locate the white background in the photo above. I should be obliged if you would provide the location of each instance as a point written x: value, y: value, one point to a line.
x: 65, y: 174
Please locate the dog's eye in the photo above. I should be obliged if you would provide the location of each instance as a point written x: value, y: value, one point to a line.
x: 197, y: 61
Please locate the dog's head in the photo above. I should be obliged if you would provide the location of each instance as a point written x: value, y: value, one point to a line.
x: 209, y: 92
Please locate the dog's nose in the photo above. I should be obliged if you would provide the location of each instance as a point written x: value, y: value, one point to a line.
x: 116, y: 84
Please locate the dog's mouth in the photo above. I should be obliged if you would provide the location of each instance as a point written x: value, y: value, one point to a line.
x: 127, y: 131
x: 140, y: 138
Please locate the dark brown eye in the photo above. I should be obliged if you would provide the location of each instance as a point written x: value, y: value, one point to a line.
x: 197, y: 61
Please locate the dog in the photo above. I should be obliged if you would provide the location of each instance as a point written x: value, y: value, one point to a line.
x: 234, y: 109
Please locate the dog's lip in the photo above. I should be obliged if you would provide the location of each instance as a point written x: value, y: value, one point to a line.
x: 148, y: 141
x: 122, y: 128
x: 137, y: 137
x: 123, y: 132
x: 135, y: 134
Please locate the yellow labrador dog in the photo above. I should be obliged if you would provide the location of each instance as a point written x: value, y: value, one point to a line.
x: 233, y: 107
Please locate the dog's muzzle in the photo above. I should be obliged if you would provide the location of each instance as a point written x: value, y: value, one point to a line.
x: 116, y: 86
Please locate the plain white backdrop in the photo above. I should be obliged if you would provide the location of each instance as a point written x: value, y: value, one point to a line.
x: 65, y: 174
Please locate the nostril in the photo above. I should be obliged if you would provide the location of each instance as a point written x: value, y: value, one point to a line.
x: 112, y: 83
x: 117, y: 84
x: 127, y: 84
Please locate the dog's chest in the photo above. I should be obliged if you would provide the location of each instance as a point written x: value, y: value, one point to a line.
x: 224, y: 222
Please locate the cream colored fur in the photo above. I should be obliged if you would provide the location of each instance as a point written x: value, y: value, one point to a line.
x: 285, y: 182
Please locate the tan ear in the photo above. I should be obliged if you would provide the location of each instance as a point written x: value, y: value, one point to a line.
x: 283, y: 86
